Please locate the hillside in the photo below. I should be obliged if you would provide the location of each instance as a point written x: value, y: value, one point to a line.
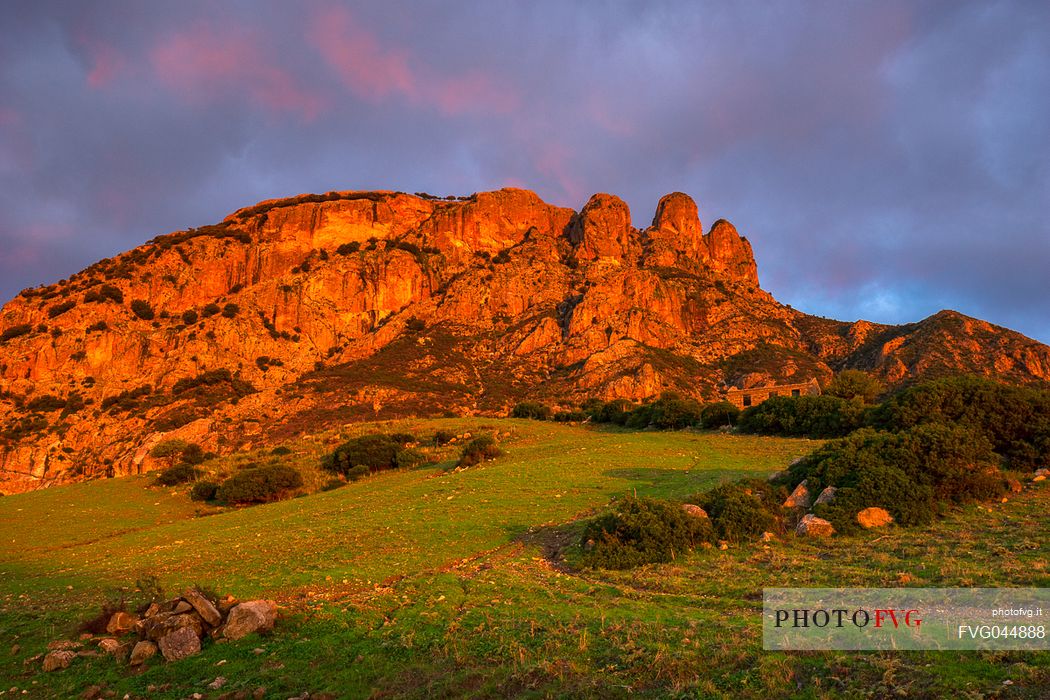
x: 429, y: 583
x: 301, y: 313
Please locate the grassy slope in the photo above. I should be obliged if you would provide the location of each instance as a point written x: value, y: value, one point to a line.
x: 420, y: 583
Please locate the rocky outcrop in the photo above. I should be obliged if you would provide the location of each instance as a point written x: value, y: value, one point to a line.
x: 320, y: 309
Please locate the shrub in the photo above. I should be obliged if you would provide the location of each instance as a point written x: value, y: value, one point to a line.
x: 348, y: 248
x: 855, y: 385
x: 169, y: 449
x: 358, y: 472
x: 911, y: 473
x: 531, y: 409
x: 403, y: 438
x: 716, y: 415
x: 61, y: 308
x: 672, y: 412
x: 16, y: 331
x: 743, y: 510
x: 142, y: 309
x: 260, y: 484
x: 46, y: 403
x: 478, y: 450
x: 204, y: 491
x: 230, y: 310
x: 443, y: 437
x: 105, y: 293
x: 642, y: 531
x: 376, y: 452
x: 179, y: 474
x: 616, y: 411
x: 99, y: 326
x: 189, y: 317
x: 281, y: 450
x: 415, y: 325
x: 570, y: 416
x: 803, y: 416
x: 409, y: 457
x: 210, y: 310
x: 333, y: 484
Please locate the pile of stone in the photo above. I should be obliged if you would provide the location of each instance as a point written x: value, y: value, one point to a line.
x: 174, y: 629
x: 812, y: 526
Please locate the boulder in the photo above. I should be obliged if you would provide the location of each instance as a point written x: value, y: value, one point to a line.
x: 800, y: 497
x: 874, y: 517
x: 163, y: 624
x: 182, y: 607
x: 109, y: 645
x: 179, y: 644
x: 60, y: 659
x: 694, y: 510
x: 204, y: 607
x: 120, y: 623
x: 812, y: 526
x: 1014, y: 485
x: 142, y: 651
x: 253, y: 616
x: 1041, y: 474
x: 826, y: 496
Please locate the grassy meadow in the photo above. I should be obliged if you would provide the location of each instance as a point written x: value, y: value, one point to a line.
x: 433, y: 583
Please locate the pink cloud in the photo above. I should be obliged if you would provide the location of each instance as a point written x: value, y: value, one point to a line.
x: 202, y: 64
x: 104, y: 61
x: 376, y: 72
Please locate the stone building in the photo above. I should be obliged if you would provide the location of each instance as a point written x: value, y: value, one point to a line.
x: 746, y: 398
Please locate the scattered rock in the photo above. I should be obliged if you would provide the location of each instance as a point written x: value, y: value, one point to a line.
x: 800, y: 497
x: 217, y: 683
x: 874, y: 517
x: 694, y: 510
x: 722, y: 544
x: 15, y: 648
x: 253, y: 616
x: 92, y: 692
x: 1040, y: 474
x: 60, y: 659
x: 826, y: 496
x: 776, y: 475
x: 108, y: 645
x: 121, y: 623
x: 63, y: 645
x: 204, y: 607
x: 142, y: 651
x: 179, y: 644
x: 812, y: 526
x: 1014, y: 485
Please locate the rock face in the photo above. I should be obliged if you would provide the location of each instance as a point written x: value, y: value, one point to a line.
x: 874, y: 517
x: 812, y: 526
x: 296, y: 312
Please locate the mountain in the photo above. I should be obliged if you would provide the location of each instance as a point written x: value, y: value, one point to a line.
x: 299, y: 313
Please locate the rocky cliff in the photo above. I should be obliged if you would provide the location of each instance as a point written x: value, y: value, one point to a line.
x: 299, y: 313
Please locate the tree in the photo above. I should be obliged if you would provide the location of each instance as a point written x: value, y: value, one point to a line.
x: 853, y: 384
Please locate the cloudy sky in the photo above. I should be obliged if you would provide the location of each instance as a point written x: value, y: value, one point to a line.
x: 886, y: 159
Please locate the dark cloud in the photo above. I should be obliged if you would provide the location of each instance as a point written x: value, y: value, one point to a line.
x: 886, y: 159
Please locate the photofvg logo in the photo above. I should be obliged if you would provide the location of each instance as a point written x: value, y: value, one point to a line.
x: 905, y: 618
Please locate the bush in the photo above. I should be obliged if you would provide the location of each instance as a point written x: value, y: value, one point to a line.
x: 443, y: 437
x: 570, y: 416
x: 210, y: 310
x: 16, y: 331
x: 415, y: 325
x: 854, y: 385
x: 142, y: 309
x: 478, y: 450
x: 179, y: 474
x: 98, y: 326
x: 61, y: 308
x: 230, y: 310
x: 281, y: 450
x: 716, y: 415
x: 911, y: 474
x: 531, y: 409
x: 642, y: 531
x: 803, y: 416
x: 358, y: 472
x: 189, y: 317
x: 403, y: 438
x: 375, y: 452
x: 260, y: 484
x: 333, y: 484
x: 204, y: 491
x: 743, y: 510
x: 616, y: 411
x: 348, y: 248
x: 409, y: 457
x: 46, y: 403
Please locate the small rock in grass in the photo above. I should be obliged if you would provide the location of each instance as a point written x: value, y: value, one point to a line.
x: 142, y: 651
x: 60, y: 659
x: 812, y: 526
x: 253, y: 616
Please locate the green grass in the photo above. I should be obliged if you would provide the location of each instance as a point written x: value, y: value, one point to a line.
x: 425, y: 582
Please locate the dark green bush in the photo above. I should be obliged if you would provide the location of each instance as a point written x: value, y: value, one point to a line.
x: 281, y: 450
x: 716, y: 415
x: 531, y: 409
x: 230, y: 310
x: 376, y: 452
x: 61, y: 308
x: 443, y: 437
x: 189, y: 317
x: 409, y: 457
x: 415, y: 325
x: 358, y: 472
x: 744, y: 509
x: 142, y: 309
x: 855, y: 385
x: 642, y: 531
x: 403, y: 438
x: 260, y: 484
x: 46, y: 403
x: 803, y: 416
x: 333, y: 484
x: 98, y: 326
x: 204, y: 491
x: 570, y: 416
x: 210, y: 310
x: 179, y: 474
x: 616, y: 411
x: 478, y: 450
x: 348, y: 248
